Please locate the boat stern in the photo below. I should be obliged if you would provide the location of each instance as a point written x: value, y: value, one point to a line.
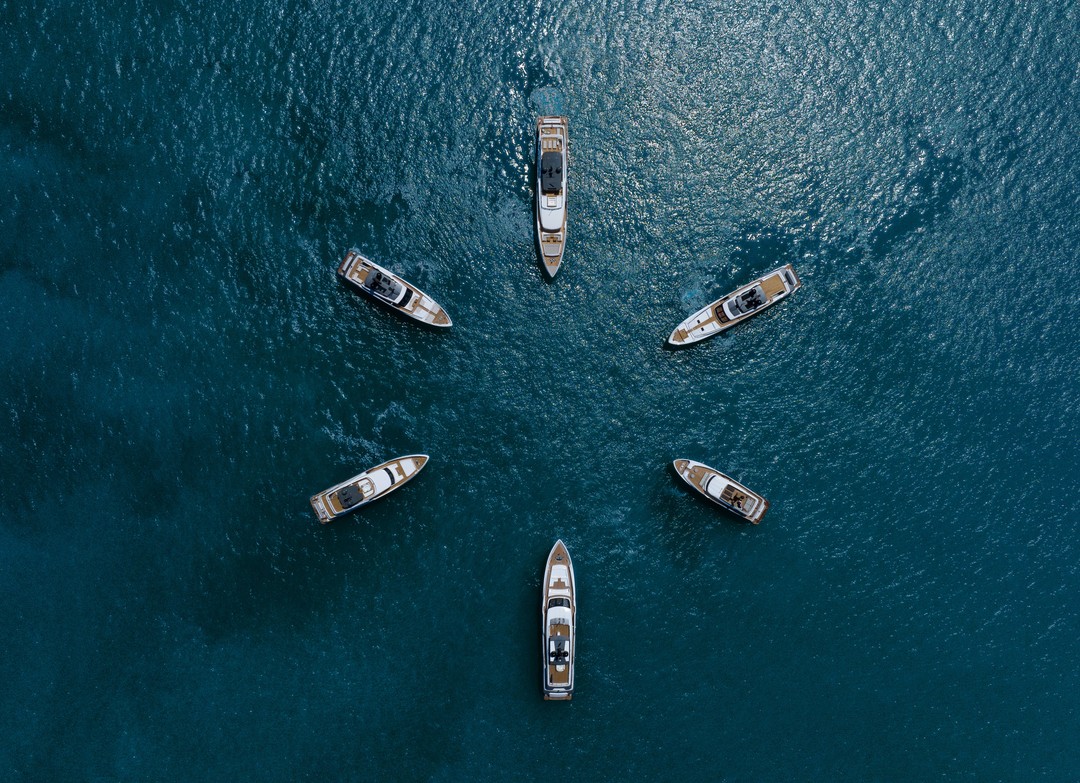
x: 351, y: 260
x: 321, y: 509
x: 792, y: 279
x: 756, y: 518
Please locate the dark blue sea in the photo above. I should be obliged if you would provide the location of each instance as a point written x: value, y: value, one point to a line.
x: 180, y: 369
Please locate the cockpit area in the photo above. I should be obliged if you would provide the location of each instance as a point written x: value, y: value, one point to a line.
x: 349, y: 496
x: 558, y: 650
x: 354, y: 494
x: 746, y: 302
x: 386, y: 287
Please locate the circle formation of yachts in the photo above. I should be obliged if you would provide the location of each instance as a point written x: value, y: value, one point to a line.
x: 558, y: 607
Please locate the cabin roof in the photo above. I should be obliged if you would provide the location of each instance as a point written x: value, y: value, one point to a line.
x: 349, y: 496
x: 551, y: 165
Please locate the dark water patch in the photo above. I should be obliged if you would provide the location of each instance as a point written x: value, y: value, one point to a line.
x: 547, y: 101
x: 184, y: 370
x: 929, y: 185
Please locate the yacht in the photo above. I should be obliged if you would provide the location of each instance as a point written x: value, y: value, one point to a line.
x: 737, y: 306
x: 385, y: 286
x: 558, y: 613
x: 722, y: 490
x: 552, y: 157
x: 348, y: 496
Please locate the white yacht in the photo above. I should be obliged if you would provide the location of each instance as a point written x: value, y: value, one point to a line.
x: 557, y: 614
x: 552, y: 157
x: 370, y: 485
x: 385, y: 286
x: 722, y: 490
x: 737, y: 306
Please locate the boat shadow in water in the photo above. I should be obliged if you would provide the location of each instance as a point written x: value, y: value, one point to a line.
x: 692, y: 536
x: 548, y: 101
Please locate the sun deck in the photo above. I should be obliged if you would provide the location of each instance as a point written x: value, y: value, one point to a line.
x: 558, y: 673
x: 773, y: 286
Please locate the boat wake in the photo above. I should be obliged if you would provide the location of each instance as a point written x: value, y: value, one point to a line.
x: 692, y: 296
x: 548, y: 101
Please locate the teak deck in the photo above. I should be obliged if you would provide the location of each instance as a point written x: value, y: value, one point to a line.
x: 773, y: 286
x: 556, y: 676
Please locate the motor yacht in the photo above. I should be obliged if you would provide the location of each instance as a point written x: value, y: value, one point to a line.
x: 392, y: 290
x: 722, y: 490
x: 558, y: 614
x: 372, y: 484
x: 736, y: 307
x: 552, y: 157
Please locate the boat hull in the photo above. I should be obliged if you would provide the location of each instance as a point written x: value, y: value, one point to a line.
x: 558, y: 621
x: 553, y: 142
x: 410, y: 302
x: 366, y: 487
x: 716, y: 316
x: 722, y: 490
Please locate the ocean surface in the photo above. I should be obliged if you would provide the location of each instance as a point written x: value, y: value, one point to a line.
x: 181, y: 369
